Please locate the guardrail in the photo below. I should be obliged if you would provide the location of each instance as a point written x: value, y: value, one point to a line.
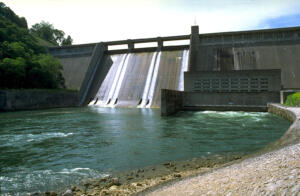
x: 157, y: 41
x: 130, y: 44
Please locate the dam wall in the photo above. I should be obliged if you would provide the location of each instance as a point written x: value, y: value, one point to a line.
x: 251, y: 50
x: 75, y: 60
x: 84, y: 68
x: 136, y: 75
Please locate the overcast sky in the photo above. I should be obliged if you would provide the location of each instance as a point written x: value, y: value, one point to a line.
x: 107, y: 20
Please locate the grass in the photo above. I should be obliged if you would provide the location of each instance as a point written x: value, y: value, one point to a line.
x: 293, y: 100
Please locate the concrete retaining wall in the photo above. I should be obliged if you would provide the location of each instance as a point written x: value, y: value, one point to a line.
x: 174, y: 101
x: 13, y: 100
x: 171, y: 101
x: 230, y: 99
x: 292, y: 135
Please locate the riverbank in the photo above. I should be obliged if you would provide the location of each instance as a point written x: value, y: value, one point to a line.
x: 269, y: 174
x: 135, y: 181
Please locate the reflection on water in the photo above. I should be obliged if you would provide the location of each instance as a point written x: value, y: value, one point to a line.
x: 43, y: 150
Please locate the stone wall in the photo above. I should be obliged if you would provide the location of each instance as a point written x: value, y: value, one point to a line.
x: 292, y: 135
x: 13, y: 100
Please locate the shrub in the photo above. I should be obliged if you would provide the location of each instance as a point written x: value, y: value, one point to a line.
x: 293, y: 100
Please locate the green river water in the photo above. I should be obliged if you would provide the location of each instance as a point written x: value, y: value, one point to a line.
x: 50, y: 149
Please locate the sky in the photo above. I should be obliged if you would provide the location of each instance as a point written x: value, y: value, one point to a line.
x: 90, y: 21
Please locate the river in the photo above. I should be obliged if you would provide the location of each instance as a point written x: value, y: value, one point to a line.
x: 49, y: 149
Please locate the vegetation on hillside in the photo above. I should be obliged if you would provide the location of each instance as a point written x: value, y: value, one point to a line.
x: 47, y: 32
x: 24, y: 63
x: 293, y: 100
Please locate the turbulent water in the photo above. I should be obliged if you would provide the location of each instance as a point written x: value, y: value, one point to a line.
x: 49, y: 149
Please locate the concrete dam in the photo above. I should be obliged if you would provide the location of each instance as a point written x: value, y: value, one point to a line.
x: 135, y: 79
x: 247, y: 68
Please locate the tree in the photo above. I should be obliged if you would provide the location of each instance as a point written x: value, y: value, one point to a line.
x: 23, y: 61
x: 8, y: 13
x: 67, y: 42
x: 47, y: 32
x: 12, y: 72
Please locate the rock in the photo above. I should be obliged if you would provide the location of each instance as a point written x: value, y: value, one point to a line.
x: 113, y: 188
x: 73, y: 188
x: 133, y: 184
x: 115, y: 181
x: 177, y: 175
x: 129, y: 178
x: 103, y: 180
x: 68, y: 193
x: 169, y: 164
x: 140, y: 170
x: 50, y: 193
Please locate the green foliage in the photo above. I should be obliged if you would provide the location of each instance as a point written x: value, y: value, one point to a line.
x: 9, y: 14
x: 293, y: 100
x: 50, y: 68
x: 12, y: 72
x: 47, y: 32
x: 67, y: 42
x: 23, y: 61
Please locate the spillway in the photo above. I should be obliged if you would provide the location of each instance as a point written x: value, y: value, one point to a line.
x: 136, y: 79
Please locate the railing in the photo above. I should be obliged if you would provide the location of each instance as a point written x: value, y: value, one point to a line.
x: 158, y: 43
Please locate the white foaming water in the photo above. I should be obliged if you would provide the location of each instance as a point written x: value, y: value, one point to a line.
x: 148, y: 81
x: 184, y: 66
x: 45, y: 180
x: 120, y: 81
x: 153, y: 81
x: 116, y: 78
x: 43, y: 136
x: 254, y: 115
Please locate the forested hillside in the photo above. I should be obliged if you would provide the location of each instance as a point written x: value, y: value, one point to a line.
x: 24, y: 62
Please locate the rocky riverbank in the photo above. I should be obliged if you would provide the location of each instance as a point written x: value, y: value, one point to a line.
x: 134, y: 181
x: 274, y: 173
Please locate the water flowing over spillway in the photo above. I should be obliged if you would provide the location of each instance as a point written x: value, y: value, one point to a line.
x: 136, y: 79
